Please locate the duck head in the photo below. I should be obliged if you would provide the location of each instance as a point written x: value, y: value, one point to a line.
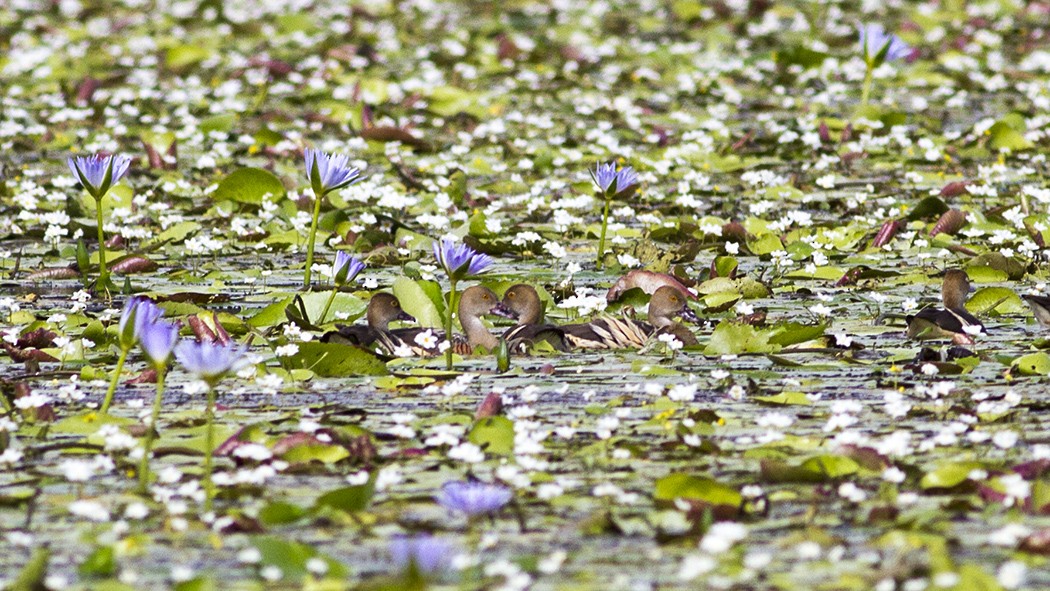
x: 477, y: 301
x: 383, y: 309
x: 667, y: 303
x: 955, y: 289
x: 523, y: 301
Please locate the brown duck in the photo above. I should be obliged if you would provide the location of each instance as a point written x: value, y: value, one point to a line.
x: 952, y: 321
x: 525, y: 304
x: 383, y: 309
x: 627, y: 333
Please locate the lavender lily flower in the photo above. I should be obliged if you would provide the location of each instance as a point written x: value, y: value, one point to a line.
x: 98, y: 173
x: 210, y: 362
x: 878, y: 47
x: 474, y: 498
x: 429, y: 554
x: 345, y: 269
x: 138, y: 312
x: 459, y: 261
x: 157, y: 339
x: 611, y: 183
x: 327, y: 173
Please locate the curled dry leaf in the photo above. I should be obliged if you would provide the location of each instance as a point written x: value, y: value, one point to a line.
x: 953, y: 189
x: 647, y: 281
x: 886, y: 233
x: 59, y: 273
x: 491, y: 406
x: 734, y: 231
x: 133, y: 264
x: 949, y: 223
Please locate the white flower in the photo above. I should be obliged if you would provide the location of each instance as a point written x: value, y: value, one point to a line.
x: 426, y: 339
x: 682, y: 392
x: 695, y: 565
x: 91, y: 510
x: 1012, y: 574
x: 721, y: 536
x: 1005, y: 439
x: 467, y: 452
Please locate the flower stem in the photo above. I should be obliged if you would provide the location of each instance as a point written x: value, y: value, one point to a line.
x: 151, y: 431
x: 209, y: 447
x: 108, y: 400
x: 313, y: 238
x: 601, y: 241
x: 103, y: 273
x: 327, y: 306
x: 867, y: 86
x: 448, y: 322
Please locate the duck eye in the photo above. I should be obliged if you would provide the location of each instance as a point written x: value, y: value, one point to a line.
x: 510, y: 295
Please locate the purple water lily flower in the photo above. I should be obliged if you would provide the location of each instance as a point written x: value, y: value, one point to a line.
x: 430, y: 555
x: 138, y: 312
x: 157, y: 340
x: 474, y: 498
x: 329, y: 172
x: 459, y: 260
x: 612, y: 182
x: 880, y: 46
x: 98, y: 173
x: 346, y: 267
x: 210, y: 361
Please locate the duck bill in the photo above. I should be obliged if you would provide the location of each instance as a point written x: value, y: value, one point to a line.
x: 405, y: 317
x: 501, y: 310
x: 688, y: 315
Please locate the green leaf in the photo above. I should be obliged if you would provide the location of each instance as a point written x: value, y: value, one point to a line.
x: 87, y: 423
x: 291, y: 557
x: 333, y: 360
x: 765, y: 244
x: 100, y: 563
x: 350, y: 499
x: 249, y: 185
x: 306, y: 453
x: 185, y: 55
x: 730, y: 338
x: 416, y: 298
x: 949, y: 475
x: 1001, y: 300
x: 1005, y: 137
x: 280, y: 513
x: 784, y: 399
x: 1033, y: 364
x: 494, y: 434
x: 793, y: 333
x: 31, y: 577
x: 698, y: 488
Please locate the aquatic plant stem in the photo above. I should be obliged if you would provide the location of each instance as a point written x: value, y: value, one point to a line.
x: 448, y: 321
x: 312, y: 239
x: 601, y: 241
x: 103, y: 273
x: 107, y: 401
x: 866, y: 91
x: 151, y: 431
x: 327, y: 306
x: 209, y: 448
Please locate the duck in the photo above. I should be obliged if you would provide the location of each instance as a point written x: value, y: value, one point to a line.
x: 383, y: 309
x: 524, y: 303
x: 478, y: 301
x: 951, y: 322
x: 1040, y: 306
x: 627, y: 333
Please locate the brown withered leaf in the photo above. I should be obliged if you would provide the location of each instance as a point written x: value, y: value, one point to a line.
x: 132, y: 264
x: 949, y: 223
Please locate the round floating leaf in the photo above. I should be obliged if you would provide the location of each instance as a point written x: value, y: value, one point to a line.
x: 495, y: 435
x: 250, y: 185
x: 331, y: 360
x: 1033, y: 364
x: 696, y: 488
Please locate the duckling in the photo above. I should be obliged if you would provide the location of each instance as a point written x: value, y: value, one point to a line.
x: 1040, y: 306
x: 624, y: 333
x: 523, y: 301
x: 951, y: 322
x: 383, y: 309
x: 476, y: 302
